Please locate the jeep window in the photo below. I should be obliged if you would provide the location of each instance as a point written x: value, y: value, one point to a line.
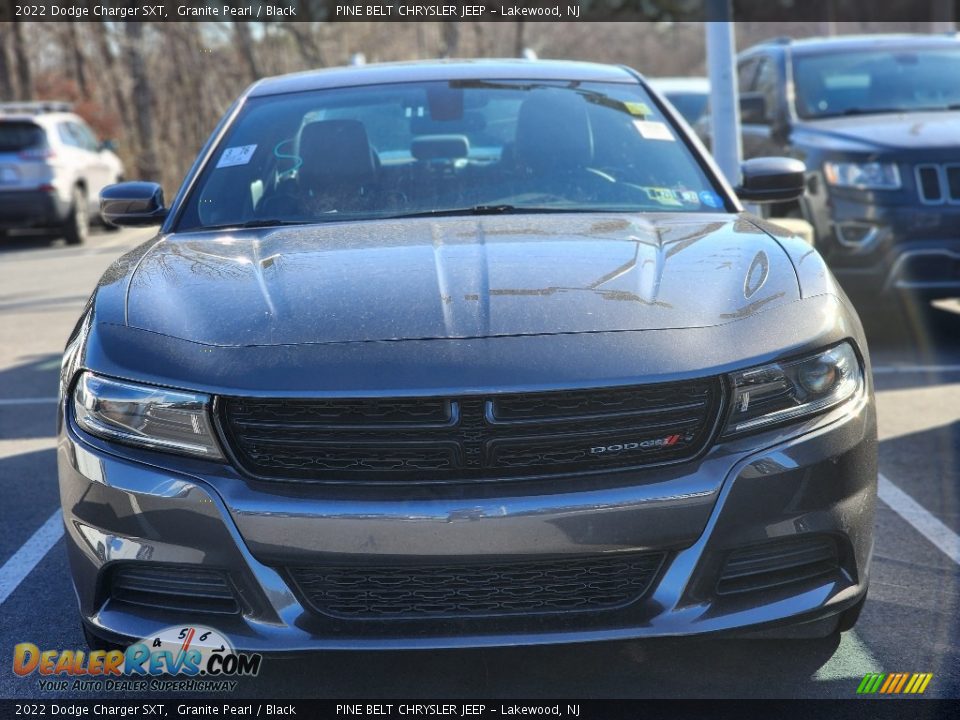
x: 850, y: 83
x: 448, y: 148
x: 18, y: 136
x: 766, y: 84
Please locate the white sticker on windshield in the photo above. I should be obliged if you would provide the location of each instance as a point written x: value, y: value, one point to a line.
x: 239, y: 155
x: 653, y: 130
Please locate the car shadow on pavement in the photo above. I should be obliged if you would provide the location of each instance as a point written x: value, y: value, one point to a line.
x: 924, y: 335
x: 25, y: 240
x: 649, y: 668
x: 27, y: 397
x: 28, y: 478
x: 926, y: 465
x: 21, y: 242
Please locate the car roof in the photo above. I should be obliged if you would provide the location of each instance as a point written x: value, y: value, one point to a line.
x: 841, y: 43
x: 38, y: 118
x: 433, y: 70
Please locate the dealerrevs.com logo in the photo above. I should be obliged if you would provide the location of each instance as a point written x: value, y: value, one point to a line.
x: 203, y: 656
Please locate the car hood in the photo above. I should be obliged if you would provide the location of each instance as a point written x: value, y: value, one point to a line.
x: 458, y: 277
x: 891, y: 131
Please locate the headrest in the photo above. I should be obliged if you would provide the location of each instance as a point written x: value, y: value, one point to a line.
x: 336, y: 149
x: 553, y: 131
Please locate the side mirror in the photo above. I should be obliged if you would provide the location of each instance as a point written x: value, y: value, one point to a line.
x: 771, y: 179
x: 110, y: 145
x: 133, y: 204
x: 753, y: 109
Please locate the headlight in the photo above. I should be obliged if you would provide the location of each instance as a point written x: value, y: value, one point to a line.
x: 865, y: 176
x: 787, y: 391
x: 145, y: 416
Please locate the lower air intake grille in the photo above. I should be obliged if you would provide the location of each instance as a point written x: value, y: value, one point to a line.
x: 173, y: 588
x: 477, y: 590
x: 778, y: 563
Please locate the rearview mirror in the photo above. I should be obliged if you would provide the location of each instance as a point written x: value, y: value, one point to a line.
x: 771, y: 179
x: 753, y: 109
x: 133, y: 204
x: 109, y: 144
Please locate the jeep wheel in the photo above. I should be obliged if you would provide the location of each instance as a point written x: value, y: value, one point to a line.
x: 77, y: 227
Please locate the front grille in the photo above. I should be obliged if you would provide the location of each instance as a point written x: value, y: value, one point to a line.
x: 464, y: 439
x: 477, y: 590
x: 778, y: 563
x: 173, y: 587
x: 938, y: 184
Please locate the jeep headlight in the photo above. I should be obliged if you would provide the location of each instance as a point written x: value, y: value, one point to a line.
x: 863, y: 176
x: 786, y: 391
x: 145, y: 416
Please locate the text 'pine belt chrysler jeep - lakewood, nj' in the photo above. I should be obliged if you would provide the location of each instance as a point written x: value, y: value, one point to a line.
x: 464, y: 354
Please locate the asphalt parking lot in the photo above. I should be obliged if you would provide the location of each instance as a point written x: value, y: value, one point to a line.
x: 910, y: 623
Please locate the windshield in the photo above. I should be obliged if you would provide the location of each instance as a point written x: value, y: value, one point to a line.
x: 447, y: 147
x: 851, y: 83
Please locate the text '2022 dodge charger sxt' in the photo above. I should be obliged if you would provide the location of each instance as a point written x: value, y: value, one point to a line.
x: 462, y: 354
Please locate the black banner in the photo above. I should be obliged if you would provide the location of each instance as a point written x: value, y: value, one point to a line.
x: 476, y: 10
x: 893, y: 709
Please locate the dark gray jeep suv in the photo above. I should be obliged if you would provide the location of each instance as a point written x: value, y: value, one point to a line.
x: 459, y: 354
x: 874, y: 119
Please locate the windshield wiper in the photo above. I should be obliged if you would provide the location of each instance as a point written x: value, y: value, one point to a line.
x: 251, y: 224
x: 490, y: 210
x: 872, y: 111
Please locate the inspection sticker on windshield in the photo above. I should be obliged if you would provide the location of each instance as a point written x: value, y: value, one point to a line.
x: 638, y: 108
x: 652, y: 130
x: 238, y: 155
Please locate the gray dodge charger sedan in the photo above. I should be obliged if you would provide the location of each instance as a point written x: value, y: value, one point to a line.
x: 463, y: 354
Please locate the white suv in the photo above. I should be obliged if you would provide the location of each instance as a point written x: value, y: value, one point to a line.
x: 52, y: 169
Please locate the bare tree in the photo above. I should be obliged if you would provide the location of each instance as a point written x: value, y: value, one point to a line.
x: 451, y: 39
x: 148, y: 165
x: 6, y: 84
x: 245, y: 43
x: 305, y: 36
x: 519, y: 41
x: 79, y: 61
x: 110, y: 75
x: 24, y: 72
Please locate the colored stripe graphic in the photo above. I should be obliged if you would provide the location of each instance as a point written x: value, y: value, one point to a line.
x: 890, y: 683
x: 870, y: 684
x: 894, y: 683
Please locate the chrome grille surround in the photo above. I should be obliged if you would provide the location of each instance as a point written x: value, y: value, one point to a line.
x: 938, y: 183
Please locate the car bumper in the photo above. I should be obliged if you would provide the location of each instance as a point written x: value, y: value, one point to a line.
x: 32, y: 209
x: 817, y: 480
x: 888, y: 249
